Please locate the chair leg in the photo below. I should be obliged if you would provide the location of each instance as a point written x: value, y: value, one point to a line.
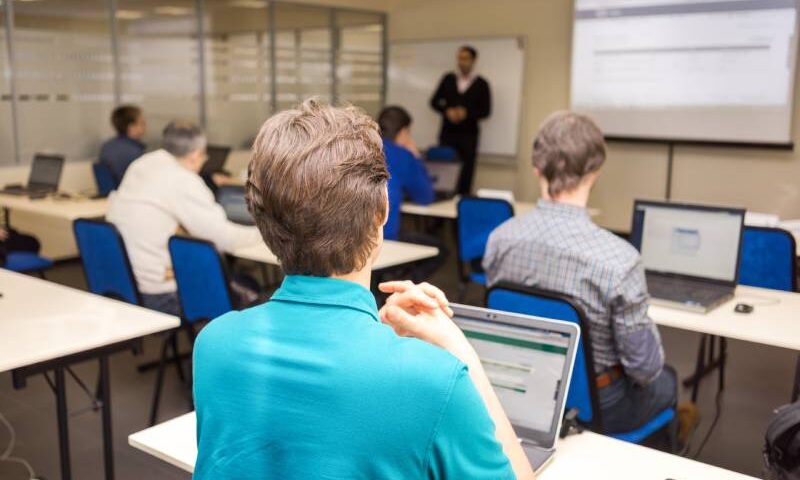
x: 159, y: 381
x: 176, y: 357
x: 796, y: 387
x: 192, y: 335
x: 723, y: 359
x: 699, y: 367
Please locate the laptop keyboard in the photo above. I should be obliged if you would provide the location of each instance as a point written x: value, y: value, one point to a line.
x: 685, y: 291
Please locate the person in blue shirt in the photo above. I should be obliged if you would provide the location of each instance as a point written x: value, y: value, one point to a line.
x: 317, y: 382
x: 119, y: 152
x: 408, y: 177
x: 408, y: 180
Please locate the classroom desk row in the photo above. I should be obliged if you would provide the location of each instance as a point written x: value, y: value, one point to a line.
x: 586, y: 455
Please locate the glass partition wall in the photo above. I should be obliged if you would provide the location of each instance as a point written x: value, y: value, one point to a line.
x: 227, y: 64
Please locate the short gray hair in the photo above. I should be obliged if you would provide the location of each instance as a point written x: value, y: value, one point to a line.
x: 568, y: 147
x: 182, y: 138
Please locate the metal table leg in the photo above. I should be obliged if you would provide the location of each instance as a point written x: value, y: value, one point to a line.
x: 63, y: 424
x: 105, y: 396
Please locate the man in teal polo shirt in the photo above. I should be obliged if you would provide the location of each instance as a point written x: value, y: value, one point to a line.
x: 317, y: 383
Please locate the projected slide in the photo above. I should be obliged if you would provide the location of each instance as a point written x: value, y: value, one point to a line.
x: 697, y: 70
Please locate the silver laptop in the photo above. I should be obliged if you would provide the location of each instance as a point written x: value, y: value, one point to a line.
x: 529, y: 362
x: 444, y: 176
x: 43, y: 179
x: 690, y: 252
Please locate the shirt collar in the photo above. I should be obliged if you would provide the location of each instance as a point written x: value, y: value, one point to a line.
x: 562, y: 209
x: 327, y: 291
x: 133, y: 140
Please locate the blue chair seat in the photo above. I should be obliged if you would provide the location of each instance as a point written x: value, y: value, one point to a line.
x: 655, y: 424
x: 478, y: 277
x: 23, y: 262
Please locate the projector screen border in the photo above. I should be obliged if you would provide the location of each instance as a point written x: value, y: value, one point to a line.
x: 700, y: 143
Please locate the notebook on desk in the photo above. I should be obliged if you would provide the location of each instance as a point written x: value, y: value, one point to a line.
x: 529, y: 363
x: 690, y: 252
x: 43, y: 179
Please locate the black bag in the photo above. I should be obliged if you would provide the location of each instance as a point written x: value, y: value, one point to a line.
x: 782, y: 444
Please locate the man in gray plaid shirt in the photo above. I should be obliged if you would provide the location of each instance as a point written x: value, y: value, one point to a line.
x: 558, y: 248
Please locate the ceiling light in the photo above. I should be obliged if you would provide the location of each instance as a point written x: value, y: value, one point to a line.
x: 129, y: 14
x: 175, y: 11
x: 248, y: 4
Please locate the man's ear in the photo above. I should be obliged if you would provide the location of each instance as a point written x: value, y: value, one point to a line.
x: 386, y: 204
x: 537, y: 172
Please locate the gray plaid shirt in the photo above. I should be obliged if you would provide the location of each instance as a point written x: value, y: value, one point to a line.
x: 556, y: 247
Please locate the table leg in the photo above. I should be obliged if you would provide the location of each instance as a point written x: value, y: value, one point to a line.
x: 796, y: 388
x: 108, y: 440
x: 63, y: 423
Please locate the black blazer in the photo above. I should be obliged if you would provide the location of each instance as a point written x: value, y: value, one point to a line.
x: 477, y: 100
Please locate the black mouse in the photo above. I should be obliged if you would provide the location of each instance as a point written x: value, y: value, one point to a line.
x: 743, y: 308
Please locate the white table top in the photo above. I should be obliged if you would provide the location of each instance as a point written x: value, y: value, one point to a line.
x: 775, y: 320
x: 392, y: 254
x: 447, y: 208
x: 67, y: 208
x: 41, y: 320
x: 587, y: 455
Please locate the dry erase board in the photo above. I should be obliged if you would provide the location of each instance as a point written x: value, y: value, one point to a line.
x: 415, y: 68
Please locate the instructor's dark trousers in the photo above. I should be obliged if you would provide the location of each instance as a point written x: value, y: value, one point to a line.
x: 466, y: 144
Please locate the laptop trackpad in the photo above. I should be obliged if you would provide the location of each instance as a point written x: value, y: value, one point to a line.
x: 537, y: 456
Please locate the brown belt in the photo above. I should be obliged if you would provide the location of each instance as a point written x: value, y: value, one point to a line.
x: 607, y: 378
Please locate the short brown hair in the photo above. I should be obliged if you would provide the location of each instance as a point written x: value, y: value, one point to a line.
x: 317, y: 188
x: 568, y: 147
x: 124, y: 116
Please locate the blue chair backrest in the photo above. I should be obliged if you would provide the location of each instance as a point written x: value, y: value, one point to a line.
x: 103, y: 178
x: 203, y: 288
x: 477, y: 218
x: 543, y: 304
x: 105, y: 260
x: 441, y: 153
x: 768, y: 259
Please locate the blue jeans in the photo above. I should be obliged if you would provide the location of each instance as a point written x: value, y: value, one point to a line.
x: 626, y: 406
x: 162, y: 302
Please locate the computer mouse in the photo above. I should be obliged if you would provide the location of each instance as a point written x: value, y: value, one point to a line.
x: 743, y: 308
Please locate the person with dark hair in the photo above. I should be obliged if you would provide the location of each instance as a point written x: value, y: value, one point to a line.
x: 463, y: 99
x: 558, y: 248
x: 408, y: 179
x: 161, y: 195
x: 317, y: 382
x: 407, y: 174
x: 119, y: 152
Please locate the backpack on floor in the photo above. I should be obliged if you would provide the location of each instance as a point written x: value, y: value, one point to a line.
x: 782, y: 444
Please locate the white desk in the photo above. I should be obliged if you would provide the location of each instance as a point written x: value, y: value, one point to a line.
x: 587, y: 455
x: 447, y: 209
x: 66, y: 209
x: 47, y: 327
x: 392, y: 254
x: 776, y: 323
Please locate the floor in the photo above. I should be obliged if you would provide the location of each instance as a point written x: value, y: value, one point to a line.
x: 757, y: 381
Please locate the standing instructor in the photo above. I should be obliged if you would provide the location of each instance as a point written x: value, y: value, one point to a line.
x: 463, y: 99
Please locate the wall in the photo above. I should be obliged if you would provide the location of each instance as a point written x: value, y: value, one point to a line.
x: 761, y: 180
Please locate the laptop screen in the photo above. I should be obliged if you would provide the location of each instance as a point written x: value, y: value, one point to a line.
x: 526, y: 366
x: 688, y: 240
x: 46, y: 171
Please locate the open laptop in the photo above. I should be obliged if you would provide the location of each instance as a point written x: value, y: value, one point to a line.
x: 690, y: 252
x: 444, y: 176
x: 43, y: 179
x: 217, y: 156
x: 529, y: 362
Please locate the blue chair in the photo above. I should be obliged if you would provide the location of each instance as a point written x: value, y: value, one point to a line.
x: 441, y: 153
x: 203, y: 292
x: 105, y: 261
x: 104, y: 179
x: 476, y: 219
x: 27, y: 262
x: 582, y: 394
x: 769, y: 260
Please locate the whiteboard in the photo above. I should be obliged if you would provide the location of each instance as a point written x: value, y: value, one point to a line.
x: 416, y: 67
